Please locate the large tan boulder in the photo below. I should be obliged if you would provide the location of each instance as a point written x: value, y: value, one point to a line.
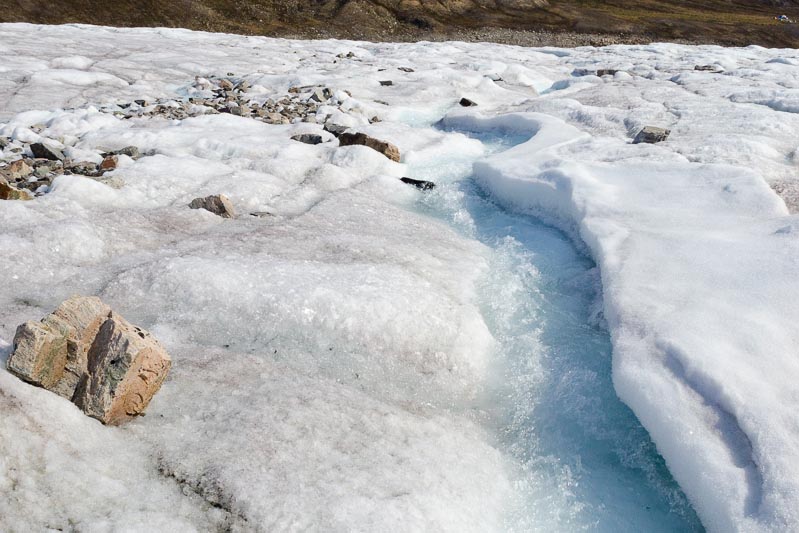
x: 87, y: 354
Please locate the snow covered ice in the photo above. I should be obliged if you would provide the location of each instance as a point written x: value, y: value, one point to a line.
x: 373, y: 358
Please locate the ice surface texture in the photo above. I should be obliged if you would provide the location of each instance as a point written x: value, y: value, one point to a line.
x: 332, y: 362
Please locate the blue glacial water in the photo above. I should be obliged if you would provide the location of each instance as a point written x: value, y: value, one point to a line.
x: 582, y: 460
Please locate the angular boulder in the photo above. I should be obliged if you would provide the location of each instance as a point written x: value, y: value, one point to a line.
x: 7, y: 192
x: 465, y: 102
x: 43, y: 151
x: 218, y: 204
x: 651, y: 135
x: 335, y: 129
x: 126, y: 367
x: 109, y: 162
x: 88, y: 355
x: 385, y: 148
x: 16, y: 170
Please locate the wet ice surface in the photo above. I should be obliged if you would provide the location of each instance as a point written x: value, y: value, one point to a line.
x: 364, y: 361
x: 585, y: 462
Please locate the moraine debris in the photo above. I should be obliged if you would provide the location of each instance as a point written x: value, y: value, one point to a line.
x: 465, y: 102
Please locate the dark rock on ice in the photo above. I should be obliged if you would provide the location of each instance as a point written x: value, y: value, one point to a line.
x: 419, y: 184
x: 385, y: 148
x: 41, y: 150
x: 651, y: 135
x: 308, y: 138
x: 218, y: 204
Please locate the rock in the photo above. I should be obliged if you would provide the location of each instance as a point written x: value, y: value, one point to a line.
x: 53, y: 353
x: 16, y: 170
x: 321, y: 94
x: 218, y: 204
x: 130, y: 151
x: 43, y: 151
x: 85, y: 168
x: 385, y: 148
x: 405, y: 69
x: 707, y: 68
x: 651, y: 135
x: 126, y: 367
x: 465, y: 102
x: 42, y: 171
x: 789, y: 192
x: 40, y: 353
x: 419, y: 184
x: 7, y: 192
x: 93, y: 357
x: 276, y: 118
x: 606, y: 72
x: 262, y: 214
x: 115, y: 182
x: 387, y: 83
x: 308, y: 138
x: 226, y: 85
x: 4, y: 141
x: 335, y: 129
x: 109, y: 163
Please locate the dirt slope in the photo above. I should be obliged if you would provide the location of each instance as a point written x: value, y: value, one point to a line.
x: 565, y: 22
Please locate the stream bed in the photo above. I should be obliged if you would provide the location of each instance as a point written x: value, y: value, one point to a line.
x: 583, y: 460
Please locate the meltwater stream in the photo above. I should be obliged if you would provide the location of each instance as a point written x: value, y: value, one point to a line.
x: 583, y: 460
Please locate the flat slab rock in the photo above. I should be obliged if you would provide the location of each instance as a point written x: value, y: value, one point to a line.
x: 385, y: 148
x: 651, y: 135
x: 93, y: 357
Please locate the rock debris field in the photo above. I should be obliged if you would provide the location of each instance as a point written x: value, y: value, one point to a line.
x: 395, y: 287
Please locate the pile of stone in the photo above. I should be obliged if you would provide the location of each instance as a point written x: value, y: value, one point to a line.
x: 232, y: 95
x: 88, y: 354
x: 23, y: 178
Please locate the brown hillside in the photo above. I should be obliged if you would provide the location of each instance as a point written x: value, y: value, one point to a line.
x: 709, y: 21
